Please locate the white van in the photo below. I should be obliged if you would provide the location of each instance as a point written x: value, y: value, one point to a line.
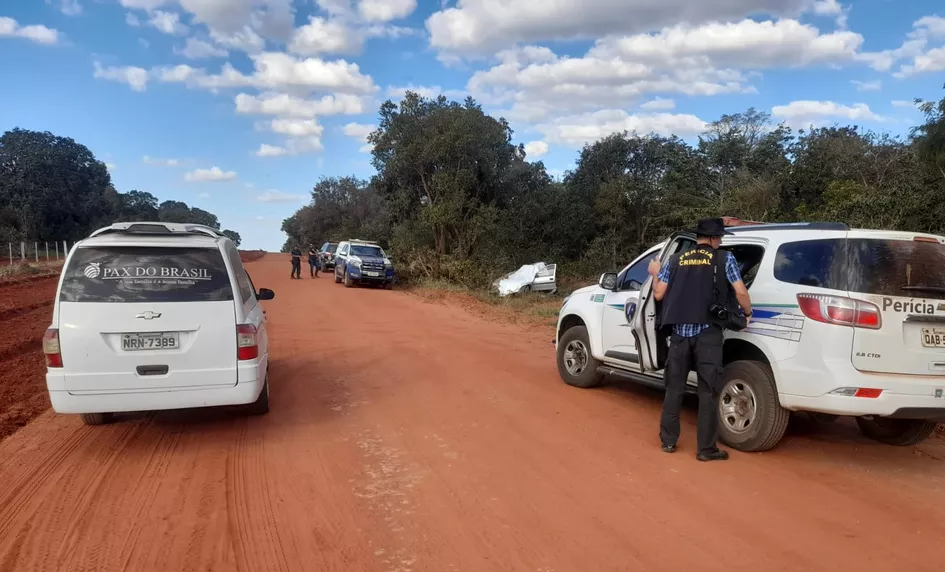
x: 151, y: 316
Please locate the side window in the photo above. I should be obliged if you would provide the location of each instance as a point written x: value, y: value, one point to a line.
x: 343, y: 251
x: 638, y: 273
x: 816, y: 263
x: 246, y: 289
x: 749, y: 258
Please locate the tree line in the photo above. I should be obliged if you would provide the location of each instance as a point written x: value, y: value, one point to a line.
x: 53, y: 188
x: 454, y: 198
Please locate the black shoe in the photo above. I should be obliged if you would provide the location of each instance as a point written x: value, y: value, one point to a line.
x: 669, y: 448
x: 717, y: 455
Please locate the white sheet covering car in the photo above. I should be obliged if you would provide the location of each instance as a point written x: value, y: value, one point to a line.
x: 152, y: 316
x: 538, y: 277
x: 846, y: 323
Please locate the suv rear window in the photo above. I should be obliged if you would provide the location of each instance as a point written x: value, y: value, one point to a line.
x: 882, y: 267
x: 136, y: 274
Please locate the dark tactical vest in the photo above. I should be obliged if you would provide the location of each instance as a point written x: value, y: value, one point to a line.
x: 692, y: 286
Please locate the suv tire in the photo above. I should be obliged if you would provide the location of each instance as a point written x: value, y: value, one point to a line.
x: 348, y: 282
x: 749, y: 394
x: 261, y: 405
x: 96, y: 418
x: 337, y: 278
x: 899, y: 432
x: 579, y: 369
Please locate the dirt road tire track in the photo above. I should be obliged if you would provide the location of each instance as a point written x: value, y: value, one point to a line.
x: 406, y: 436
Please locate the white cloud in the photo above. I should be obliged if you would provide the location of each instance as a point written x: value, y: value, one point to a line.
x: 297, y: 127
x: 486, y: 25
x: 360, y: 131
x: 195, y: 49
x: 659, y: 104
x: 245, y: 40
x: 273, y: 19
x: 10, y: 28
x: 203, y: 195
x: 535, y: 149
x: 266, y: 150
x: 274, y: 196
x: 135, y: 77
x: 903, y: 103
x: 132, y: 20
x: 161, y: 162
x: 805, y: 113
x: 576, y: 130
x: 70, y: 7
x: 111, y: 166
x: 831, y: 8
x: 867, y: 85
x: 914, y: 49
x: 167, y: 23
x: 712, y: 59
x: 287, y: 105
x: 386, y: 10
x: 430, y: 92
x: 321, y: 36
x: 212, y: 174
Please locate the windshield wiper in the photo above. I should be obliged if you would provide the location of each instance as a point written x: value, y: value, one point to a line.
x: 924, y: 288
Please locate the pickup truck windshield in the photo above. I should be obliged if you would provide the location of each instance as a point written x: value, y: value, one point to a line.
x: 360, y: 250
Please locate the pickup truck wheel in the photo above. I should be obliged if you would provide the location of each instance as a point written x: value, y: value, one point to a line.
x: 899, y: 432
x: 750, y: 416
x: 261, y: 405
x: 576, y: 365
x: 96, y: 418
x: 348, y: 282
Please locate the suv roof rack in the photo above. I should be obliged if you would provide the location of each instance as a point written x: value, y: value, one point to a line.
x: 158, y: 228
x: 359, y: 241
x: 788, y: 226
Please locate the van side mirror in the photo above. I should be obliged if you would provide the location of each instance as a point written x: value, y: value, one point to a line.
x: 608, y: 281
x: 265, y: 294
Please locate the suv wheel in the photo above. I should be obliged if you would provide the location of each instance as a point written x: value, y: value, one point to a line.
x: 261, y: 405
x: 750, y: 416
x: 576, y: 365
x: 337, y: 278
x: 899, y: 432
x: 96, y: 418
x: 348, y: 282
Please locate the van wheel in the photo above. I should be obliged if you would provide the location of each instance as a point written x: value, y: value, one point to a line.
x: 348, y: 282
x: 576, y: 365
x: 899, y: 432
x: 96, y: 418
x: 261, y: 405
x: 750, y: 416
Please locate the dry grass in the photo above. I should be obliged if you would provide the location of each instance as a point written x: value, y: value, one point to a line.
x: 20, y: 270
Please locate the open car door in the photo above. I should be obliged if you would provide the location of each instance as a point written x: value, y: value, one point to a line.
x: 653, y: 345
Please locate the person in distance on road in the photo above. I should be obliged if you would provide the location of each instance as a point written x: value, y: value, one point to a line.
x: 686, y: 285
x: 312, y: 261
x: 296, y: 263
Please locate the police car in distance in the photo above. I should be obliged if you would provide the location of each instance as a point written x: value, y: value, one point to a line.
x: 845, y: 323
x: 326, y: 256
x: 151, y: 316
x: 363, y: 262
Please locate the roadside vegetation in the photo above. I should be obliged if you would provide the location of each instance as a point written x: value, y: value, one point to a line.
x: 454, y: 200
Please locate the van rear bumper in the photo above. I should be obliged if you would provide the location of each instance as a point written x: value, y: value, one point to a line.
x: 151, y: 400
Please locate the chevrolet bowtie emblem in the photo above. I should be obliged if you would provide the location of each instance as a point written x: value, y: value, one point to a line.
x: 149, y: 315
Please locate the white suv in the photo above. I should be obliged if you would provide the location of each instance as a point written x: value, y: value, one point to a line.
x: 845, y: 323
x: 152, y: 316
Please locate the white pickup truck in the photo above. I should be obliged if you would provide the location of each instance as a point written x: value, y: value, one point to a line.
x: 845, y: 323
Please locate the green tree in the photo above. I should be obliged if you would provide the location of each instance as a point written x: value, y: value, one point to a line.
x: 233, y: 235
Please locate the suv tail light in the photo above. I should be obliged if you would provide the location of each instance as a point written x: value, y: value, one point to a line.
x: 840, y: 311
x: 51, y: 348
x: 246, y: 343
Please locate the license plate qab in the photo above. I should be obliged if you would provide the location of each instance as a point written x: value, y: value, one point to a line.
x: 933, y: 338
x: 146, y: 342
x: 375, y: 274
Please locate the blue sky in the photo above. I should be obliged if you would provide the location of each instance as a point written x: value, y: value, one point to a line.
x: 240, y: 106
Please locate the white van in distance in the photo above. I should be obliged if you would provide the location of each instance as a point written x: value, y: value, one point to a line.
x: 151, y: 316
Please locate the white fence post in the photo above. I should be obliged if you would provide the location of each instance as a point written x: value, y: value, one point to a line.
x: 22, y: 251
x: 36, y: 250
x: 47, y: 251
x: 57, y: 250
x: 10, y: 245
x: 65, y: 249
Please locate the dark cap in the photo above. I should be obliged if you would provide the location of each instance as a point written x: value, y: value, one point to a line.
x: 711, y: 227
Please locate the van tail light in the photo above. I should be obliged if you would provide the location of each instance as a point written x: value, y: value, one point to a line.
x: 51, y: 348
x: 246, y: 344
x: 840, y: 311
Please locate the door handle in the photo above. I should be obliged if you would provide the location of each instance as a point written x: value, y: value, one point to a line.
x: 152, y: 369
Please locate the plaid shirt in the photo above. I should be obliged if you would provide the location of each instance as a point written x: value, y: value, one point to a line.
x: 693, y: 330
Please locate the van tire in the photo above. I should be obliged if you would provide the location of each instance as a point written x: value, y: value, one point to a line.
x: 898, y: 432
x: 770, y: 420
x: 96, y: 418
x: 348, y: 282
x: 261, y: 405
x: 588, y: 376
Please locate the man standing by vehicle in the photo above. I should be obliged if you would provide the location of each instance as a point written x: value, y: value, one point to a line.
x: 312, y: 261
x: 296, y: 263
x: 686, y: 284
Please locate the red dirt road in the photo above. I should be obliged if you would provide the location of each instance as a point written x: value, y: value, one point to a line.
x: 410, y: 436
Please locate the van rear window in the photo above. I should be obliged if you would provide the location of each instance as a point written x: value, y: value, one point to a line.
x: 884, y: 267
x: 136, y: 274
